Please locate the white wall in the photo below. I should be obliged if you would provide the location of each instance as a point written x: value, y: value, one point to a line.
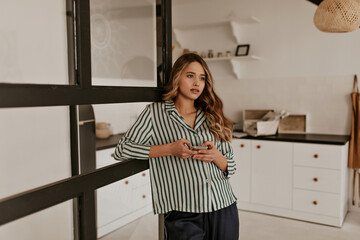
x: 121, y: 116
x: 324, y: 100
x: 302, y: 69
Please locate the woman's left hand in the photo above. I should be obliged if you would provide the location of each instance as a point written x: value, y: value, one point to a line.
x: 209, y: 155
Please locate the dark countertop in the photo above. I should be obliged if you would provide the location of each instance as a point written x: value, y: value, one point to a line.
x: 302, y: 138
x: 305, y: 138
x: 110, y: 142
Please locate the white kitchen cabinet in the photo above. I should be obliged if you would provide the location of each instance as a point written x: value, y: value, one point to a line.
x: 271, y: 174
x: 242, y: 177
x: 320, y: 180
x: 305, y: 181
x: 123, y: 201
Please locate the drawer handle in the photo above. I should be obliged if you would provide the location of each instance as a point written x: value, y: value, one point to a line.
x: 143, y: 174
x: 316, y: 155
x: 126, y: 182
x: 144, y: 196
x: 258, y: 146
x: 242, y: 145
x: 315, y: 202
x: 112, y: 155
x: 315, y: 179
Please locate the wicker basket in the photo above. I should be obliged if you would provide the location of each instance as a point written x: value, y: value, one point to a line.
x: 337, y: 16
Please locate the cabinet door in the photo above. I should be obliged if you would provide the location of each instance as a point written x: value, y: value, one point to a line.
x: 240, y: 181
x: 114, y: 201
x: 271, y: 181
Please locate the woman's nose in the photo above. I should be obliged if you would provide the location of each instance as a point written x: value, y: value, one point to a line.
x: 196, y: 82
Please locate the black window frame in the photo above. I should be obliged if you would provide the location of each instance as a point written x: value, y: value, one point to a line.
x: 81, y: 186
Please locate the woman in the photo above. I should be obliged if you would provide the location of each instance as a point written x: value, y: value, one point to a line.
x: 191, y: 187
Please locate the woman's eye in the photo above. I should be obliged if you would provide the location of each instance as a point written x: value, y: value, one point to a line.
x: 203, y: 78
x: 189, y: 76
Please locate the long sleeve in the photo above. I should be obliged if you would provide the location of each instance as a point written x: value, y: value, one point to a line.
x: 228, y: 152
x: 135, y: 143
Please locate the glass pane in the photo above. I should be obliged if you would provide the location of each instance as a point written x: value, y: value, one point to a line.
x: 122, y: 202
x: 33, y: 42
x: 55, y: 223
x: 120, y: 115
x: 34, y: 148
x: 123, y: 42
x: 126, y: 200
x: 118, y: 119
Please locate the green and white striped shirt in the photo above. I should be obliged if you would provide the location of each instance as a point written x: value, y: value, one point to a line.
x: 186, y: 185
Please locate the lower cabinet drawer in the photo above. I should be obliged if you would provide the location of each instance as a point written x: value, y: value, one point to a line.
x: 142, y: 195
x: 105, y: 157
x: 141, y: 179
x: 317, y: 202
x: 318, y: 155
x: 326, y: 180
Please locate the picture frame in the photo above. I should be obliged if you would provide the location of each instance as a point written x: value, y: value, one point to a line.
x: 242, y: 50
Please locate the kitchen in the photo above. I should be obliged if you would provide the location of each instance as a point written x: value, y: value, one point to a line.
x: 298, y: 69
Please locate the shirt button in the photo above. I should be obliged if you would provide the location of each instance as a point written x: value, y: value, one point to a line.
x: 208, y: 181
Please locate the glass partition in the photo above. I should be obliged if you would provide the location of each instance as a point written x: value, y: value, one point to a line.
x: 123, y: 42
x: 33, y: 42
x: 34, y: 148
x: 112, y: 121
x: 55, y: 223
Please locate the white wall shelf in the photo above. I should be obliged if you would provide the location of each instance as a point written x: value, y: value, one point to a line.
x: 235, y: 62
x: 248, y: 20
x: 185, y: 33
x: 235, y: 24
x: 237, y: 58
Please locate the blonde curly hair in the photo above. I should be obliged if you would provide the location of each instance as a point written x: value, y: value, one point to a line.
x: 208, y: 101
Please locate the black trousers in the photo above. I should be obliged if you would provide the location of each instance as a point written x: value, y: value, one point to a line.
x: 218, y: 225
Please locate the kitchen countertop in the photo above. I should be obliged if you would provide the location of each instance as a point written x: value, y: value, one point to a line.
x: 110, y: 142
x: 303, y: 138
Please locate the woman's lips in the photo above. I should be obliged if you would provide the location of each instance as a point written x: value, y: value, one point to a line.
x: 195, y: 91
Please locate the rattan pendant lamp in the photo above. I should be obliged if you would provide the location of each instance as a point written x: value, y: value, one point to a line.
x: 338, y: 16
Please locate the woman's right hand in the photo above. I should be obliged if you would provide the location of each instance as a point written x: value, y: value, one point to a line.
x: 179, y: 149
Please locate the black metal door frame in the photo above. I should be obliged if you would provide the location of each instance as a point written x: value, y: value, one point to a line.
x: 80, y: 186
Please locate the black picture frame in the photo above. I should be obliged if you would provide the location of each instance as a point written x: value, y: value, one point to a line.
x: 242, y: 50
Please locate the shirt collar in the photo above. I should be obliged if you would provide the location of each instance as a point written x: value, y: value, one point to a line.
x: 200, y: 116
x: 170, y: 106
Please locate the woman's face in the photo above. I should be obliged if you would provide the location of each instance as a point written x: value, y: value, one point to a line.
x: 192, y: 81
